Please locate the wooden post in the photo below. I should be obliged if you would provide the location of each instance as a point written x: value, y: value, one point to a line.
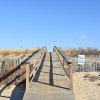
x: 70, y: 77
x: 27, y: 75
x: 64, y: 64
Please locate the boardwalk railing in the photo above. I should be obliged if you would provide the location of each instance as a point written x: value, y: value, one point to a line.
x: 32, y: 65
x: 28, y: 66
x: 66, y: 62
x: 13, y: 72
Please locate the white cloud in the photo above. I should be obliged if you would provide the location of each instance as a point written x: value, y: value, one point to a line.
x: 83, y: 36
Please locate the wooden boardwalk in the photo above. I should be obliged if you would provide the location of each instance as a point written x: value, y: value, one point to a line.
x: 50, y: 81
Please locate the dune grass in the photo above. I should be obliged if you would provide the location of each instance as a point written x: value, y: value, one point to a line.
x: 5, y: 52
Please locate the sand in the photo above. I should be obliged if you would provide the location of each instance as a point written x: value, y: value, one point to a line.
x: 6, y: 93
x: 12, y: 92
x: 87, y: 85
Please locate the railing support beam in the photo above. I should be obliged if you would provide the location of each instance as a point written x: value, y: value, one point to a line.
x: 71, y: 76
x: 27, y: 75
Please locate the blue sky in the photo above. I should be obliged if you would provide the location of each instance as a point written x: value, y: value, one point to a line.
x: 34, y: 23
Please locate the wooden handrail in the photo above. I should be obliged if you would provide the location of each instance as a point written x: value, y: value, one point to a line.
x: 33, y: 62
x: 65, y: 62
x: 27, y: 75
x: 19, y: 65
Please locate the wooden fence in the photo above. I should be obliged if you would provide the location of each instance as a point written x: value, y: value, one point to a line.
x: 92, y: 64
x: 12, y: 71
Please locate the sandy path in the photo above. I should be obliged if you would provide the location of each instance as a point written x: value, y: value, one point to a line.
x: 87, y: 88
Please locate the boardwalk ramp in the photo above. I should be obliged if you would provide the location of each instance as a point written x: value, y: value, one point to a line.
x: 50, y: 81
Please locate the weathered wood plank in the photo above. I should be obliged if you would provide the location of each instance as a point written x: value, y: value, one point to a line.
x: 50, y: 82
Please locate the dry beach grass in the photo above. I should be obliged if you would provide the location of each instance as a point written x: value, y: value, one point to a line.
x: 6, y: 52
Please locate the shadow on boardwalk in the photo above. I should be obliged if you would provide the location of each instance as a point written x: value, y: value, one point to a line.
x: 36, y: 77
x: 18, y: 92
x: 51, y: 71
x: 51, y: 80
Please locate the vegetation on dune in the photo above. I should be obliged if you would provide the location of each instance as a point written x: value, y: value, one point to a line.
x: 17, y: 52
x: 84, y: 51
